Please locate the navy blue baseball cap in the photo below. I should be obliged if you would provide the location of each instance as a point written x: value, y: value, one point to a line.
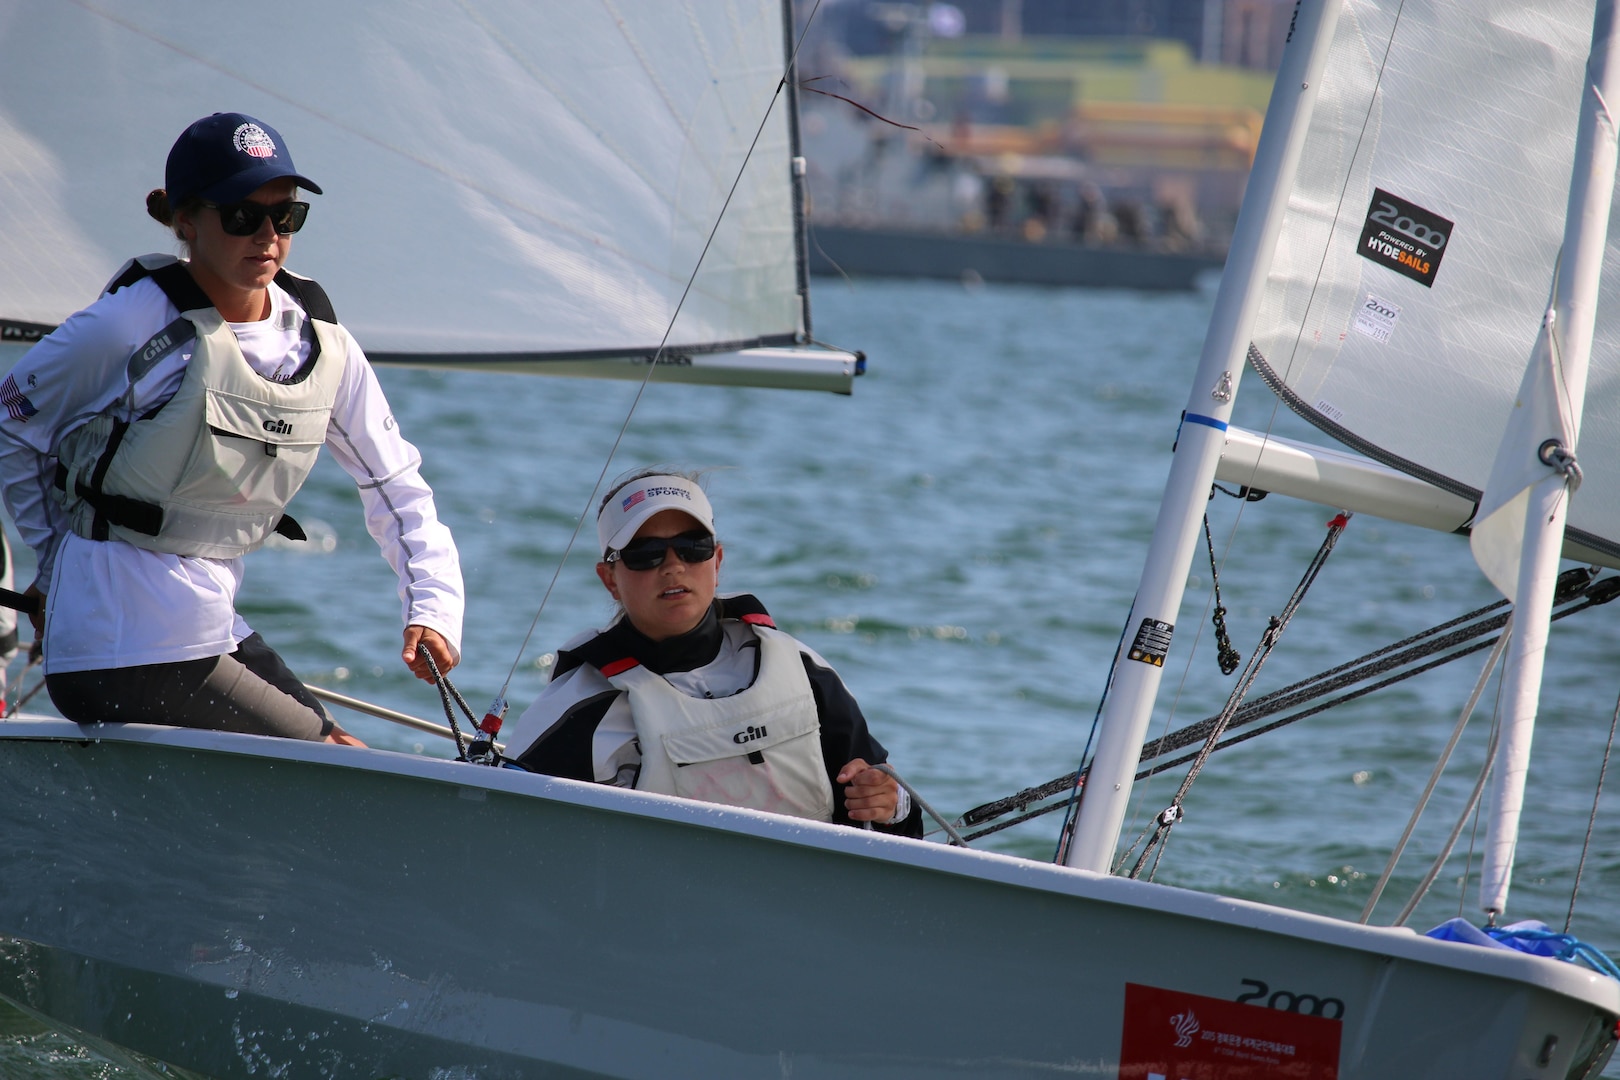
x: 226, y: 157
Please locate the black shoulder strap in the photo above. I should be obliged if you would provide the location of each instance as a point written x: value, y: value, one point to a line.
x: 310, y: 296
x: 599, y: 652
x: 173, y: 278
x: 745, y: 607
x: 133, y: 273
x: 608, y: 648
x: 180, y: 287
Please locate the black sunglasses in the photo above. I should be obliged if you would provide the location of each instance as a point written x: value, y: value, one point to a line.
x: 648, y: 553
x: 244, y: 218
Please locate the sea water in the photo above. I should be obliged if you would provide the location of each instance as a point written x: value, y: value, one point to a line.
x: 961, y: 539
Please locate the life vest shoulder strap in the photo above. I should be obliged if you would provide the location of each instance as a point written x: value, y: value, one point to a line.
x: 173, y: 278
x: 186, y: 295
x: 609, y: 651
x: 309, y: 294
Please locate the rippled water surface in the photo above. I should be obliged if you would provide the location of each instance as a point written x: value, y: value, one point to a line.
x: 961, y: 539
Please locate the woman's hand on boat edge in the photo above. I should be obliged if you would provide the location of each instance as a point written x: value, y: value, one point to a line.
x: 36, y: 619
x: 440, y: 649
x: 872, y: 794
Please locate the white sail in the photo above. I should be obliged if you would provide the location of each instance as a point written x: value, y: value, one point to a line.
x: 1421, y: 237
x: 505, y: 183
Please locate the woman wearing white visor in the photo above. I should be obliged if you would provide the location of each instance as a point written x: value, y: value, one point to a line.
x: 691, y: 694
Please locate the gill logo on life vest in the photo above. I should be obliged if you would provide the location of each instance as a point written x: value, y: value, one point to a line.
x: 156, y: 347
x: 278, y: 427
x: 749, y: 734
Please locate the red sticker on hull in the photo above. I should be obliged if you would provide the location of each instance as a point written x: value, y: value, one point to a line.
x: 1170, y: 1035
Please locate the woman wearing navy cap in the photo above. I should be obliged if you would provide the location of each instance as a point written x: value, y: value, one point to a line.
x: 158, y: 435
x: 692, y: 694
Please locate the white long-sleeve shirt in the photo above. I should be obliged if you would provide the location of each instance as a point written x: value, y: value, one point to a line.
x: 112, y: 604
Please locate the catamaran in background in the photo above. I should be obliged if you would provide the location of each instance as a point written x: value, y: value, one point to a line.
x: 174, y: 892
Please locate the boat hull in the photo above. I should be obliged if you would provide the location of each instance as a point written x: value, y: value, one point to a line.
x: 920, y: 253
x: 236, y: 905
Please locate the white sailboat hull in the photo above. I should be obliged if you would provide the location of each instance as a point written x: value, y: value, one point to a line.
x: 239, y: 905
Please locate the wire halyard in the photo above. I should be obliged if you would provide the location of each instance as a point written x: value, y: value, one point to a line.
x: 1268, y: 640
x: 490, y: 726
x: 1591, y: 823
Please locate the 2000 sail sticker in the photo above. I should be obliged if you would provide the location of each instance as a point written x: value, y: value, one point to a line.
x: 1404, y: 237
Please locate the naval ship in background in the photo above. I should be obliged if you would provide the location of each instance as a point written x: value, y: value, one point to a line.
x: 1033, y: 141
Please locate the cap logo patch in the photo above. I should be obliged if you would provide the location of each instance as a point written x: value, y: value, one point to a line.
x: 254, y: 140
x: 631, y: 500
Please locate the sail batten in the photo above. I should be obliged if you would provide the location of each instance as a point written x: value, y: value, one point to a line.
x: 500, y: 178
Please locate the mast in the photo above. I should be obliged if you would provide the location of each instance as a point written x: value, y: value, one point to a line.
x: 1527, y: 498
x: 1201, y: 438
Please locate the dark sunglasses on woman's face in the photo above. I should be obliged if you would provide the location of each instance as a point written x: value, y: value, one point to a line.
x: 650, y: 551
x: 244, y: 218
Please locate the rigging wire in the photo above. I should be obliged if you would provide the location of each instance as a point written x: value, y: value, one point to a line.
x: 498, y: 707
x: 1576, y: 591
x: 1470, y: 810
x: 1591, y: 822
x: 1076, y: 779
x: 1140, y: 798
x: 1439, y: 768
x: 1268, y: 641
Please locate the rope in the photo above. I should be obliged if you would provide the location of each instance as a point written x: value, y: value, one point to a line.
x: 1565, y: 947
x: 1586, y: 844
x: 956, y: 837
x: 1268, y: 641
x: 1228, y: 657
x: 446, y: 690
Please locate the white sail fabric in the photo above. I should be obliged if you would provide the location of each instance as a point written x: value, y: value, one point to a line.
x: 1541, y: 411
x: 500, y: 178
x: 1413, y: 270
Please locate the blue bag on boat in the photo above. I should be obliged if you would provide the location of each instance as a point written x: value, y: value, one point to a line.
x: 1529, y: 936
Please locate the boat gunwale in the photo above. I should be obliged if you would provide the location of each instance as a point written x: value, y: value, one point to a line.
x: 1401, y: 943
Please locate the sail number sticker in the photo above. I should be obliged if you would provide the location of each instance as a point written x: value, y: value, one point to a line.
x: 1404, y: 237
x: 1171, y: 1035
x: 1376, y: 317
x: 1152, y: 642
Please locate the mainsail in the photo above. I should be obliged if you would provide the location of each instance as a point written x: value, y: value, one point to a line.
x: 1422, y: 232
x: 507, y: 184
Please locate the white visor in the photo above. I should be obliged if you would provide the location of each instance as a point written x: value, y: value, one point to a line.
x: 630, y: 507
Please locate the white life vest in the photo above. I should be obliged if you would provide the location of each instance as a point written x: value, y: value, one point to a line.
x: 210, y: 472
x: 759, y: 748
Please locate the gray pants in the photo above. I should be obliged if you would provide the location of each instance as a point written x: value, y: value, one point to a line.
x: 250, y: 690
